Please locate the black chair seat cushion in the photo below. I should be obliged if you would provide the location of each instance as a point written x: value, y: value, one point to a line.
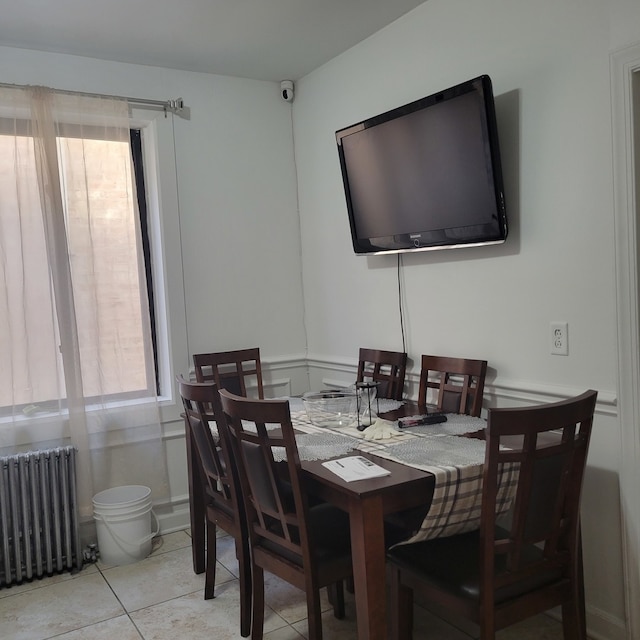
x: 329, y: 532
x: 453, y: 564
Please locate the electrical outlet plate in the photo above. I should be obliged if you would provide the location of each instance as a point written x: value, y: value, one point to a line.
x: 559, y: 333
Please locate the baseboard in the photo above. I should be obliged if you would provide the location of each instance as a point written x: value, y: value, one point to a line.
x: 177, y: 520
x: 600, y: 625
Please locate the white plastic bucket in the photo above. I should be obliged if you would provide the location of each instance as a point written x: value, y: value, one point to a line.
x: 123, y: 523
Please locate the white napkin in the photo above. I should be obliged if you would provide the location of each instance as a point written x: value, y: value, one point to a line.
x: 380, y: 430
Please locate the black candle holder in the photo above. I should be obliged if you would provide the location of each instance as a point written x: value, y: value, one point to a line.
x: 366, y: 395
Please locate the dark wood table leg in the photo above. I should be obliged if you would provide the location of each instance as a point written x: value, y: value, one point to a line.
x: 196, y: 505
x: 367, y: 549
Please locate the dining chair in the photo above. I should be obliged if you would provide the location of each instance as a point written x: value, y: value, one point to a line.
x: 307, y: 546
x: 233, y: 370
x: 458, y: 383
x: 223, y: 507
x: 531, y: 561
x: 388, y: 368
x: 239, y: 371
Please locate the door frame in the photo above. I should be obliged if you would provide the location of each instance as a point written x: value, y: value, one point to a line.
x: 625, y: 96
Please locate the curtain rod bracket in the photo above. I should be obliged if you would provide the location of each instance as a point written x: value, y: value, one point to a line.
x: 175, y: 106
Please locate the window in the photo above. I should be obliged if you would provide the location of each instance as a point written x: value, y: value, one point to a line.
x: 108, y: 286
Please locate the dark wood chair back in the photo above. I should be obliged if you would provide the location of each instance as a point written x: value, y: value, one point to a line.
x: 551, y: 456
x: 307, y: 547
x: 530, y: 561
x: 235, y: 370
x: 224, y: 507
x: 388, y: 368
x: 458, y: 384
x: 201, y: 403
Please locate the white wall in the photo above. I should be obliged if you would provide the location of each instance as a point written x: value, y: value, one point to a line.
x: 236, y: 206
x: 229, y: 217
x: 549, y: 62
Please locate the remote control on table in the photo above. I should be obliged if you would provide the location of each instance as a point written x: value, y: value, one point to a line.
x: 432, y: 418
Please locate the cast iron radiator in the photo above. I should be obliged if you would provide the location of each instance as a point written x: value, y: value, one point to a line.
x: 39, y: 533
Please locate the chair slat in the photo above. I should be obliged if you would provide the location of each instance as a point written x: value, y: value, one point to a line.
x: 458, y: 383
x: 388, y: 368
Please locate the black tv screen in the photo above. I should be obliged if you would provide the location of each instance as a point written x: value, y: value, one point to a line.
x: 426, y: 175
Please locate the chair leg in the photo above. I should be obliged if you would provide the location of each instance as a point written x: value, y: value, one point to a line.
x: 335, y: 592
x: 573, y: 615
x: 257, y: 602
x: 486, y: 634
x: 331, y: 594
x: 210, y: 571
x: 401, y: 609
x: 571, y: 627
x: 349, y: 584
x: 314, y: 614
x: 574, y: 624
x: 196, y: 504
x: 244, y: 568
x: 580, y: 597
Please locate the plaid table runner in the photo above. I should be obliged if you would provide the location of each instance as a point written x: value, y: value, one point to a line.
x: 456, y: 463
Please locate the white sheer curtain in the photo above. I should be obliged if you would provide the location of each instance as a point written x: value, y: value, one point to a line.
x: 76, y: 350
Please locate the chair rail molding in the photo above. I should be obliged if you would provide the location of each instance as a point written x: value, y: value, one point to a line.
x: 625, y: 99
x: 341, y: 372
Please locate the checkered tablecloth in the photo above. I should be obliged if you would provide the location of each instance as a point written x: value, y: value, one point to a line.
x: 456, y: 462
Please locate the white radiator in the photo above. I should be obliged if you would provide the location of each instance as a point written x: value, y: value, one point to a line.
x: 39, y: 533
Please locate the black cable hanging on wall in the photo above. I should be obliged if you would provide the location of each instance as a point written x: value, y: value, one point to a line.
x: 404, y: 345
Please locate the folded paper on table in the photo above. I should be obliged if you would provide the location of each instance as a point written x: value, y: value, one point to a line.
x: 355, y: 468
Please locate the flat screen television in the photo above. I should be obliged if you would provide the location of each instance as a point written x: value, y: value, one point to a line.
x: 426, y: 175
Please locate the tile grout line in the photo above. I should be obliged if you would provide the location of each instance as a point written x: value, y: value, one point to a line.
x: 115, y: 595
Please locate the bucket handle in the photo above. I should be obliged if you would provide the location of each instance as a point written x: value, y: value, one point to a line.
x: 121, y: 540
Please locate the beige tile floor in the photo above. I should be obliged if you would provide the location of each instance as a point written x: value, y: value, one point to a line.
x: 160, y: 598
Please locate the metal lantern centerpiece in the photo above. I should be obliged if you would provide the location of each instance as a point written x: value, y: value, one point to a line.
x: 366, y: 397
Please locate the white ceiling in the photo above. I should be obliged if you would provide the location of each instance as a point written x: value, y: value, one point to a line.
x: 261, y: 39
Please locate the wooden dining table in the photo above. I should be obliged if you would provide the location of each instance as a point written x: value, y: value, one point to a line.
x: 367, y: 502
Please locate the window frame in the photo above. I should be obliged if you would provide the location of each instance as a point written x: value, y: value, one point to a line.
x: 160, y: 188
